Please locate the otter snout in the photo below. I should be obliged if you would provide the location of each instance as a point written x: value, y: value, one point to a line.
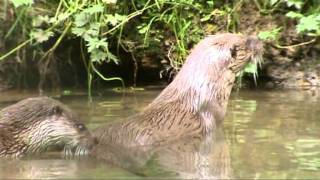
x: 36, y: 125
x: 255, y: 46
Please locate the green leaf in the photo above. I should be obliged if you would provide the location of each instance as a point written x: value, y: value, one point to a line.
x: 111, y: 19
x: 67, y: 92
x: 110, y: 1
x: 120, y: 17
x: 40, y: 36
x: 112, y: 57
x: 309, y: 23
x: 142, y: 29
x: 79, y: 31
x: 39, y: 20
x: 296, y: 3
x: 96, y: 43
x: 62, y: 16
x: 81, y: 19
x: 273, y: 2
x: 114, y: 19
x: 294, y: 15
x: 210, y: 3
x: 94, y: 29
x: 18, y: 3
x: 251, y: 68
x: 270, y: 35
x: 98, y: 56
x: 97, y: 8
x: 206, y: 17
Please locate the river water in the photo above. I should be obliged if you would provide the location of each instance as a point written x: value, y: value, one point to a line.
x: 266, y: 135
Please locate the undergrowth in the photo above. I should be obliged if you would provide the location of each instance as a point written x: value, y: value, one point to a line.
x: 168, y: 27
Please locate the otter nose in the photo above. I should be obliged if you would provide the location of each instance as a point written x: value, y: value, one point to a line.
x: 254, y: 44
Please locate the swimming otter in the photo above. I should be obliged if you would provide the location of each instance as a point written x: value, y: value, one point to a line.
x: 34, y: 125
x: 195, y: 101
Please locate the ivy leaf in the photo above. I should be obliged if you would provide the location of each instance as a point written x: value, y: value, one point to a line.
x: 40, y: 36
x: 18, y: 3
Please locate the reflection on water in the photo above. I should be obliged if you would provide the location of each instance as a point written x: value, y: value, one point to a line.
x: 271, y: 134
x: 189, y: 158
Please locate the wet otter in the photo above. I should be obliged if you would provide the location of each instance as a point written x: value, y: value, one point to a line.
x: 195, y: 101
x: 34, y: 125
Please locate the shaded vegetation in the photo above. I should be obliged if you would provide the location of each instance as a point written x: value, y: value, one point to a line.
x: 46, y: 42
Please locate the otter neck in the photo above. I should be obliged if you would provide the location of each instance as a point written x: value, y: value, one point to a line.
x: 204, y: 92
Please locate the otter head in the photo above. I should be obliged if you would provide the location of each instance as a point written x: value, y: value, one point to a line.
x: 39, y: 124
x: 239, y: 50
x: 214, y: 62
x: 218, y: 53
x: 205, y: 81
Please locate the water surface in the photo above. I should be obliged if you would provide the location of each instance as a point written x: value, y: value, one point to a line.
x: 266, y: 135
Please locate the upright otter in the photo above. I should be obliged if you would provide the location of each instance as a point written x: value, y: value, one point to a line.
x: 34, y: 125
x: 195, y: 102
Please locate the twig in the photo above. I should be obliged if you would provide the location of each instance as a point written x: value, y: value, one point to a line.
x: 295, y: 45
x: 104, y: 78
x: 130, y: 16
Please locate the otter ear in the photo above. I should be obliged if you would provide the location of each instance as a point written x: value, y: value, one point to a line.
x: 56, y: 110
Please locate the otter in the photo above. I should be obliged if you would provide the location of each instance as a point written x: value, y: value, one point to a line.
x: 195, y: 102
x: 35, y: 125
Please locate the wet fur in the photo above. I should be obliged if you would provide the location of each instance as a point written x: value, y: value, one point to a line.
x: 195, y: 102
x: 35, y: 124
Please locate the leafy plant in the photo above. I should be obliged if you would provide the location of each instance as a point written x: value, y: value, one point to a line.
x: 166, y: 28
x: 270, y: 35
x: 308, y: 22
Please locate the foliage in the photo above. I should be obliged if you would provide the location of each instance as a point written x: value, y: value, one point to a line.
x: 167, y: 28
x: 271, y: 35
x: 308, y: 22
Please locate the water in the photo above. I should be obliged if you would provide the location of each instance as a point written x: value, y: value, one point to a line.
x: 266, y: 135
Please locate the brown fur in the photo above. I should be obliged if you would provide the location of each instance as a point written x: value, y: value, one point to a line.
x: 186, y: 158
x: 35, y: 124
x: 195, y: 102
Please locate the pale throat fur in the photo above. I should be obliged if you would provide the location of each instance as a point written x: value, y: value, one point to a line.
x: 203, y: 85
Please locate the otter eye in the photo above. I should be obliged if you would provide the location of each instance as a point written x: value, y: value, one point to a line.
x: 81, y: 127
x: 234, y: 51
x: 56, y: 110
